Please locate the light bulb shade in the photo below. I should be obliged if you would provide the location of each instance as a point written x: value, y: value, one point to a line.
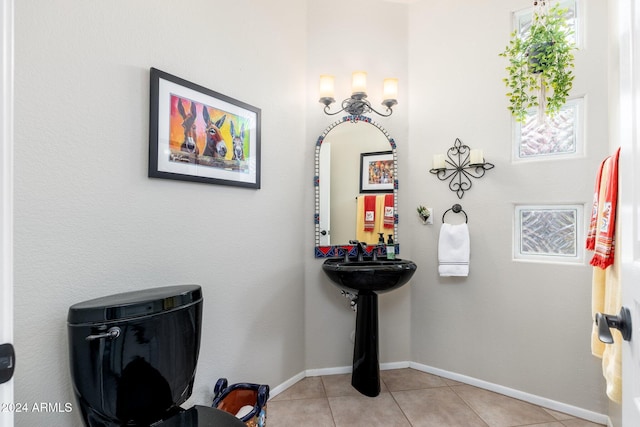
x: 390, y: 89
x: 359, y: 84
x: 327, y: 86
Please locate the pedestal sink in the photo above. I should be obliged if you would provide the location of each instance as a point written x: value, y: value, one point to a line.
x: 367, y: 279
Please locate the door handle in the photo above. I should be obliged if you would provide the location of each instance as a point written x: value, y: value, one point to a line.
x: 7, y: 362
x: 622, y: 322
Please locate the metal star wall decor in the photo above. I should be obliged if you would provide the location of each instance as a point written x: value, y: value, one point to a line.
x: 459, y: 170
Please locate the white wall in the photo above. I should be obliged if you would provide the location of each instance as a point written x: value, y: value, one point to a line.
x: 90, y: 223
x: 521, y: 325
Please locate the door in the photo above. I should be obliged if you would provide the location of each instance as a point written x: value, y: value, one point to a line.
x: 628, y: 128
x: 6, y: 184
x: 325, y: 195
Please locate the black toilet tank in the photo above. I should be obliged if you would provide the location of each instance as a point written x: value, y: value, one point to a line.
x: 133, y: 355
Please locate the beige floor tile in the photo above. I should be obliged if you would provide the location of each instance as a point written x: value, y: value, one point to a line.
x: 447, y: 381
x: 501, y: 411
x: 299, y: 412
x: 559, y: 415
x: 417, y: 399
x: 340, y: 385
x: 410, y: 379
x: 436, y: 407
x: 362, y: 411
x: 580, y: 423
x: 553, y: 424
x: 307, y: 388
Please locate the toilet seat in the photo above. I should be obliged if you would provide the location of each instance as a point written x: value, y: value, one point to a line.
x: 200, y: 416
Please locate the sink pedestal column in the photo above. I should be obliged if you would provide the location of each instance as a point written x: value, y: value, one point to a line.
x: 366, y: 368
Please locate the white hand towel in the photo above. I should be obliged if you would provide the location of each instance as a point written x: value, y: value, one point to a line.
x: 453, y: 250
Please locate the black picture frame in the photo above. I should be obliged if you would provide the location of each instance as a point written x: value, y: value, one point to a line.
x: 376, y: 172
x: 199, y: 135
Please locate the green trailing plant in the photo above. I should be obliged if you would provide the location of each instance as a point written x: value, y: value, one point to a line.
x: 540, y: 70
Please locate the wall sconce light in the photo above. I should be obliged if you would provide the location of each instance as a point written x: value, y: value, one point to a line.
x: 358, y: 104
x: 460, y: 165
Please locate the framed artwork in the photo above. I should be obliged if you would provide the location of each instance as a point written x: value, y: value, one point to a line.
x: 196, y: 134
x: 376, y: 172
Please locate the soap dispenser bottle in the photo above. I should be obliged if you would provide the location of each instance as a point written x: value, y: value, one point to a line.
x: 381, y: 244
x: 391, y: 249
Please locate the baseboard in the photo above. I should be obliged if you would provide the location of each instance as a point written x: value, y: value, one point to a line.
x: 347, y: 369
x: 274, y: 391
x: 516, y: 394
x: 328, y: 371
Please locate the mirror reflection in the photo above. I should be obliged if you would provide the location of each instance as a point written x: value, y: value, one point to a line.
x: 356, y: 174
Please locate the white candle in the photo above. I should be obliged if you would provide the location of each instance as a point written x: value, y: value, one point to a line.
x: 438, y: 161
x: 476, y: 157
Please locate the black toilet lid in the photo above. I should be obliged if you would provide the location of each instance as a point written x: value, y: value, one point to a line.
x: 128, y: 305
x: 201, y: 416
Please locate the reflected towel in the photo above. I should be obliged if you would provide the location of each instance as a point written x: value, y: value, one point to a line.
x: 370, y: 237
x: 369, y: 213
x: 388, y: 211
x: 453, y: 250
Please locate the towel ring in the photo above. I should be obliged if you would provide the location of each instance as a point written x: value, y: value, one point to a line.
x: 456, y: 209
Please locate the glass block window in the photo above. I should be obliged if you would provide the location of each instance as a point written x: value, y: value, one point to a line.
x: 549, y: 233
x: 522, y: 19
x: 560, y: 136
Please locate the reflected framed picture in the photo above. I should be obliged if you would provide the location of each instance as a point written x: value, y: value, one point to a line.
x: 376, y: 172
x: 196, y: 134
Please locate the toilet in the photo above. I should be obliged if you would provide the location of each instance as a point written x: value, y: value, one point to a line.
x: 133, y: 359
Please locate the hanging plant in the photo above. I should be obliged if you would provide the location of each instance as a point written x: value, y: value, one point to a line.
x: 540, y: 71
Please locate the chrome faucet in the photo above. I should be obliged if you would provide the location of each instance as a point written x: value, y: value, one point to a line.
x: 361, y: 248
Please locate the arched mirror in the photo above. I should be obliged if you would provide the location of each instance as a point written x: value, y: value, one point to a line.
x: 355, y: 158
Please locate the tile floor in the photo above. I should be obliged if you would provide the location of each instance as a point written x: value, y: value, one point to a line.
x: 408, y: 398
